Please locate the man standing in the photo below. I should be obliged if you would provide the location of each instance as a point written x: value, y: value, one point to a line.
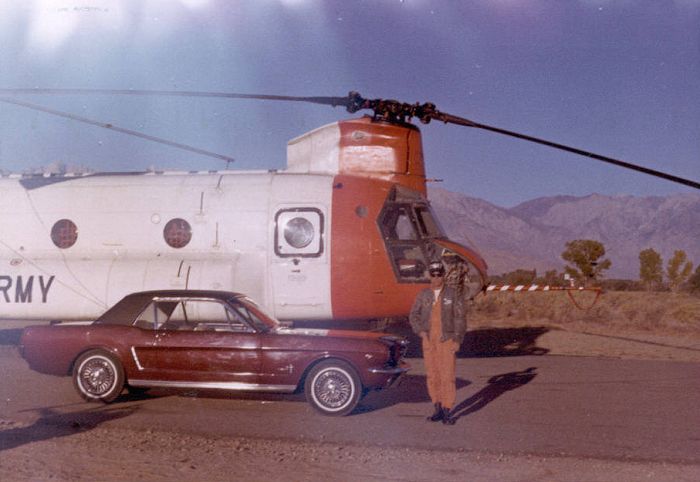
x: 438, y: 317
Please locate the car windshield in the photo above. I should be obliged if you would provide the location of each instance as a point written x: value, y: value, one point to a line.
x: 260, y: 319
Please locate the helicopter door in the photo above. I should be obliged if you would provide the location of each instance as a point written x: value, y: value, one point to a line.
x: 300, y: 270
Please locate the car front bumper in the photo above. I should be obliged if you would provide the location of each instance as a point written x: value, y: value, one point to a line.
x: 390, y: 375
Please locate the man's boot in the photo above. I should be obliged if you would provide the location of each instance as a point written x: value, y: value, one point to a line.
x: 438, y: 414
x: 448, y: 417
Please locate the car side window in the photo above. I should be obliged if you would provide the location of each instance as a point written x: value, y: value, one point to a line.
x: 179, y: 319
x: 208, y: 315
x: 195, y: 315
x: 155, y: 315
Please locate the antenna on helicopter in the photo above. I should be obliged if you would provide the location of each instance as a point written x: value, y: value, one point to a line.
x: 386, y: 110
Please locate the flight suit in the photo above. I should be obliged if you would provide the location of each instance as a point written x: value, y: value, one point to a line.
x: 443, y: 323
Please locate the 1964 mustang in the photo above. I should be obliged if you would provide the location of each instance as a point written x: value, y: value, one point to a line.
x: 212, y: 340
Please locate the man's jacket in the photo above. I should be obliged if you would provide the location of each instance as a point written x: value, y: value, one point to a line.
x: 452, y: 310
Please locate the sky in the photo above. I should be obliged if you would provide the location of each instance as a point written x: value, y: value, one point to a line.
x: 620, y: 78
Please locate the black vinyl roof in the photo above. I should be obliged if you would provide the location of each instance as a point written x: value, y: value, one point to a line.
x: 125, y: 311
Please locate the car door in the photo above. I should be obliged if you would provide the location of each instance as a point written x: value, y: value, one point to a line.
x: 201, y: 341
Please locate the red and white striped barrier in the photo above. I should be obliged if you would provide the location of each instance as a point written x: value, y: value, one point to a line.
x: 567, y: 289
x: 537, y: 288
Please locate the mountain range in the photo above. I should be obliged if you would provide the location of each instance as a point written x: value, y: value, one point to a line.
x: 532, y: 235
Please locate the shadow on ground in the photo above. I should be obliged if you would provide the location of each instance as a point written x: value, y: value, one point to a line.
x: 10, y: 336
x: 487, y: 342
x: 411, y: 389
x: 52, y: 424
x: 497, y: 386
x: 490, y: 342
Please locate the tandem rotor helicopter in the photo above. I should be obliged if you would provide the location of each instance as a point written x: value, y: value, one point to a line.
x: 344, y: 233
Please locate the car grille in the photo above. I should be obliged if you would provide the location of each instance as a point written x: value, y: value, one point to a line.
x: 397, y: 349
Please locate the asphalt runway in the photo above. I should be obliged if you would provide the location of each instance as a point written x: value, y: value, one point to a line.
x: 629, y: 410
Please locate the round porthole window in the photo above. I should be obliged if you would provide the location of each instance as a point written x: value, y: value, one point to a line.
x: 64, y: 233
x: 177, y: 233
x: 299, y: 232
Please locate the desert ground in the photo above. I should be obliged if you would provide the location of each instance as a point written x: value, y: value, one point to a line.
x: 616, y: 327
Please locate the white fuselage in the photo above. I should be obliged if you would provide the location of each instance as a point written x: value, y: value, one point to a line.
x: 121, y: 248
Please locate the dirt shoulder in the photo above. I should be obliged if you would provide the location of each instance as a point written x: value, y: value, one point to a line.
x: 638, y: 325
x: 106, y: 454
x: 583, y: 339
x: 623, y: 344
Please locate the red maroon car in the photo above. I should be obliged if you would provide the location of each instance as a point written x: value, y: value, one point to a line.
x: 212, y: 340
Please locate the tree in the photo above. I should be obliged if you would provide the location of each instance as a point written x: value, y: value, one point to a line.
x: 650, y: 268
x: 520, y: 277
x: 550, y: 278
x: 678, y: 270
x: 585, y: 255
x: 694, y: 281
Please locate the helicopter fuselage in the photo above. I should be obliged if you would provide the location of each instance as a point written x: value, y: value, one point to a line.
x: 346, y: 232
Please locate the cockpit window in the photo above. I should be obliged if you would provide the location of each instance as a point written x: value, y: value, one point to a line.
x: 407, y: 229
x: 409, y: 261
x: 427, y: 223
x: 397, y: 224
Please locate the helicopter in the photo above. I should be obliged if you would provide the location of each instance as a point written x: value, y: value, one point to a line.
x: 345, y: 233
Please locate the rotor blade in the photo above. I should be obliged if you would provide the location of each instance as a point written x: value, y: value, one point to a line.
x: 451, y: 119
x: 390, y: 110
x: 332, y: 101
x: 116, y: 128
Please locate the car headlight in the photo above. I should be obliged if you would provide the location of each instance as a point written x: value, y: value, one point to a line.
x: 397, y: 347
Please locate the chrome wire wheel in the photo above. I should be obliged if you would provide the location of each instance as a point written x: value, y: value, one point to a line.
x: 333, y: 388
x: 98, y: 376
